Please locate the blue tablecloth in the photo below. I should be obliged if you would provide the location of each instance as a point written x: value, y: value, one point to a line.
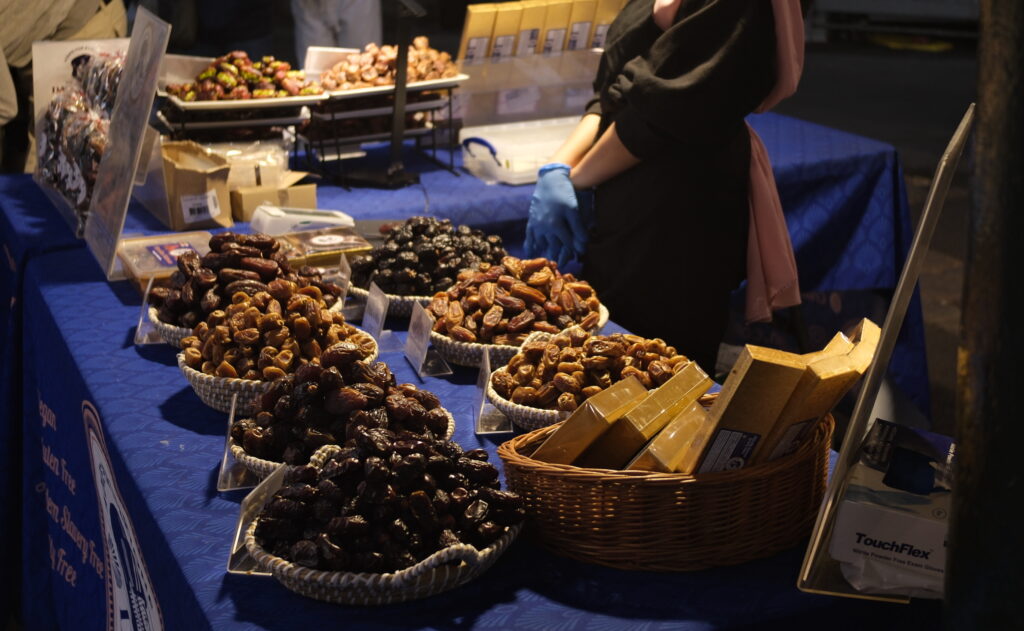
x: 170, y: 530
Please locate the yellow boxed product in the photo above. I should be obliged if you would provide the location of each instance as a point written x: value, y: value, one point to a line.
x: 531, y: 23
x: 755, y: 392
x: 590, y: 421
x: 677, y: 447
x: 287, y: 194
x: 476, y: 34
x: 506, y: 28
x: 628, y: 436
x: 604, y: 15
x: 820, y: 388
x: 556, y: 26
x: 581, y: 24
x: 838, y: 345
x: 195, y: 187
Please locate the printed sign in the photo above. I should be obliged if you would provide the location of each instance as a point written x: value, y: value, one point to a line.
x: 417, y: 346
x: 376, y: 311
x: 527, y: 42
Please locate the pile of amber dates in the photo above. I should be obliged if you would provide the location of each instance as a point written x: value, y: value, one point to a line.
x: 329, y: 403
x: 385, y: 502
x: 272, y: 333
x: 503, y: 304
x: 424, y: 255
x: 235, y: 262
x: 572, y: 366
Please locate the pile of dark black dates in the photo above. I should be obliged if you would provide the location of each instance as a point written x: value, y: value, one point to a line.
x: 331, y: 403
x: 424, y: 255
x: 385, y: 502
x: 235, y: 262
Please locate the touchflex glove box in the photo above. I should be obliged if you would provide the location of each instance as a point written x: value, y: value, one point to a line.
x: 890, y: 531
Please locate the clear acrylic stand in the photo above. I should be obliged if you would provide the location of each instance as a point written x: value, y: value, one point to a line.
x: 233, y: 475
x: 239, y: 561
x: 425, y: 361
x: 373, y: 321
x: 145, y: 332
x: 487, y: 418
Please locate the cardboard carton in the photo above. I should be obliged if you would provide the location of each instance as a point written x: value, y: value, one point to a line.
x: 288, y: 194
x: 187, y: 187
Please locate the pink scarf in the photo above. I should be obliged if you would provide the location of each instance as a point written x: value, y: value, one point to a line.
x: 771, y: 267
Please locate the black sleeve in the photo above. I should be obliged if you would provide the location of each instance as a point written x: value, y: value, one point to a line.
x: 710, y: 69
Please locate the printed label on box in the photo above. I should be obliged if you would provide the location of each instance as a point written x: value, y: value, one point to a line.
x: 555, y: 41
x: 518, y: 100
x: 600, y: 34
x: 790, y: 439
x: 476, y: 49
x: 167, y: 253
x: 195, y: 208
x: 503, y: 47
x: 729, y: 450
x: 579, y: 35
x: 527, y: 41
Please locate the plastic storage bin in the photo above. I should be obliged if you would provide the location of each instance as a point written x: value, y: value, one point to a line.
x: 511, y: 153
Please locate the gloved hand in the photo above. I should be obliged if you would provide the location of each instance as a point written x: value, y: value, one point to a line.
x: 555, y: 228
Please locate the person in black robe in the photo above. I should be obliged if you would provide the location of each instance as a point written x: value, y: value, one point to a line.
x: 665, y: 148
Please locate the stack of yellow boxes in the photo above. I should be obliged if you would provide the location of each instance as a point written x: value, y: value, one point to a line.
x: 500, y: 30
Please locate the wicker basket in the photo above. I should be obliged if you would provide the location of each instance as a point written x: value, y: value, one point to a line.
x: 470, y: 353
x: 217, y: 392
x: 173, y: 335
x: 262, y: 468
x: 169, y: 333
x: 639, y: 520
x: 446, y: 569
x: 398, y: 306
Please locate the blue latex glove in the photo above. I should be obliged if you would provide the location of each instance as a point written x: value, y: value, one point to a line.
x: 555, y: 228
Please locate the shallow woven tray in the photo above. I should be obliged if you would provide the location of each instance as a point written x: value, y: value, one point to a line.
x: 398, y: 306
x: 444, y: 570
x: 470, y: 353
x: 173, y: 335
x: 638, y: 520
x: 262, y: 468
x: 217, y: 392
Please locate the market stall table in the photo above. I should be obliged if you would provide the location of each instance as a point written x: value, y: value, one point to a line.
x: 125, y: 485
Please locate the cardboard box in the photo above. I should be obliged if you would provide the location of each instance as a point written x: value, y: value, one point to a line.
x: 531, y: 24
x: 825, y: 381
x: 186, y: 186
x: 289, y: 194
x: 556, y: 26
x: 581, y: 24
x: 604, y: 15
x: 476, y: 33
x: 627, y: 437
x: 506, y: 29
x: 590, y: 421
x: 755, y: 392
x: 677, y: 447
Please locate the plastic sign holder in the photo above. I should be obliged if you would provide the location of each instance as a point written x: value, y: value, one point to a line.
x: 373, y: 321
x: 487, y: 419
x: 233, y: 475
x: 426, y: 361
x: 239, y: 560
x: 820, y: 573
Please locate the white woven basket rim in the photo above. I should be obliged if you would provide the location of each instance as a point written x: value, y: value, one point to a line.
x: 524, y: 416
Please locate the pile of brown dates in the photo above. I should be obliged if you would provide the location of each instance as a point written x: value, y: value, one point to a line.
x: 503, y: 304
x: 271, y: 333
x: 375, y: 66
x: 424, y: 255
x: 387, y: 501
x: 329, y: 403
x: 236, y: 76
x: 235, y: 263
x: 561, y: 373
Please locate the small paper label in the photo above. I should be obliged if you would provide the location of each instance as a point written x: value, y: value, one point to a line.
x: 476, y: 49
x: 790, y: 440
x: 196, y: 208
x: 600, y: 34
x: 167, y: 253
x: 730, y: 449
x: 504, y: 46
x: 554, y: 41
x: 418, y: 340
x: 527, y: 41
x: 376, y: 311
x: 579, y: 36
x: 518, y: 100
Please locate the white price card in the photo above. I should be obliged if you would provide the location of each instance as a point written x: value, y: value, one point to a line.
x: 554, y: 41
x: 476, y: 50
x: 239, y: 561
x: 195, y: 208
x: 527, y: 41
x: 417, y: 346
x: 503, y: 47
x: 600, y: 34
x: 579, y: 36
x: 488, y: 419
x: 373, y: 320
